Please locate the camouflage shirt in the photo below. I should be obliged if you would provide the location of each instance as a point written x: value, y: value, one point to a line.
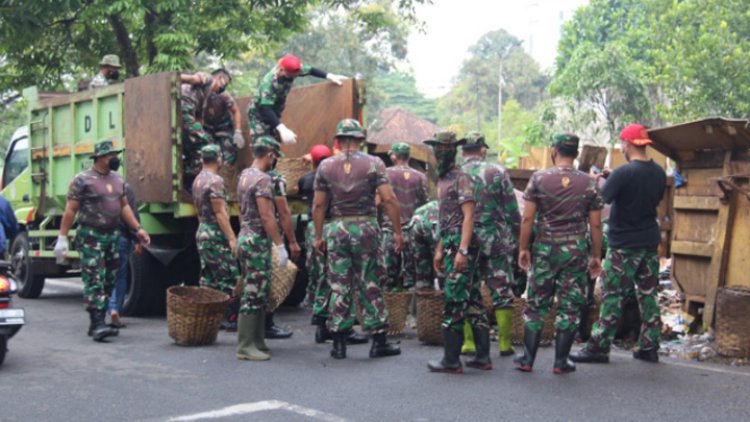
x: 279, y: 183
x: 197, y: 95
x: 497, y: 221
x: 563, y: 197
x: 273, y: 90
x: 100, y: 198
x: 424, y: 222
x: 218, y: 110
x: 253, y: 184
x: 410, y: 187
x: 351, y: 192
x: 454, y: 189
x: 207, y: 186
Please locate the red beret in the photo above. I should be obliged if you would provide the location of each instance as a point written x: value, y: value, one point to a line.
x: 290, y: 64
x: 319, y: 152
x: 636, y: 134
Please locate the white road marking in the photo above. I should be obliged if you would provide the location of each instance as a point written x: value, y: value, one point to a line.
x: 247, y: 408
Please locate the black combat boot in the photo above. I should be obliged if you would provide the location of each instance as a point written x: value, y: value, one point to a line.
x: 98, y: 329
x: 354, y: 337
x: 481, y: 358
x: 273, y: 330
x: 229, y: 323
x: 381, y: 348
x: 648, y: 355
x: 531, y: 339
x: 339, y: 346
x: 451, y: 364
x: 587, y: 355
x: 321, y: 332
x: 563, y: 342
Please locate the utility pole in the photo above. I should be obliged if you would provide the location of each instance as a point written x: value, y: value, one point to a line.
x: 501, y: 81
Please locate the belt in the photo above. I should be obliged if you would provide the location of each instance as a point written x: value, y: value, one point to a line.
x: 563, y: 238
x: 355, y: 218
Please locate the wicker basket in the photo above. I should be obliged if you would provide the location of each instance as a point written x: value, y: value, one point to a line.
x: 397, y: 304
x: 292, y: 169
x: 732, y: 323
x: 487, y: 300
x: 194, y: 314
x: 282, y: 281
x: 430, y: 316
x: 548, y: 331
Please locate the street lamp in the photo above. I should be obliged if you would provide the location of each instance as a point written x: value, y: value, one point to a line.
x: 500, y: 84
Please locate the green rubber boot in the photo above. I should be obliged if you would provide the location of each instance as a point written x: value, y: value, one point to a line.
x: 504, y: 323
x: 246, y: 347
x: 468, y: 348
x: 260, y: 332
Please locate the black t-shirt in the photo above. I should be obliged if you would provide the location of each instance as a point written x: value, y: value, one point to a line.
x: 305, y: 187
x: 634, y: 190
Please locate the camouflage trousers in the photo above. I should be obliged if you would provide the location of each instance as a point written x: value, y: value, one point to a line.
x: 318, y: 286
x: 219, y: 269
x: 497, y: 271
x: 193, y: 139
x: 422, y: 251
x: 100, y: 260
x: 558, y: 269
x: 353, y: 251
x: 624, y: 270
x: 463, y: 300
x: 223, y: 136
x: 390, y: 260
x: 254, y: 251
x: 259, y: 128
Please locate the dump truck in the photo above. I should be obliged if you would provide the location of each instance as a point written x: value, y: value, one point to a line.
x: 141, y: 115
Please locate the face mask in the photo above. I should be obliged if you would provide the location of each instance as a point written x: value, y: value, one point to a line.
x: 273, y: 163
x: 445, y: 160
x: 114, y: 164
x: 114, y: 75
x: 221, y: 89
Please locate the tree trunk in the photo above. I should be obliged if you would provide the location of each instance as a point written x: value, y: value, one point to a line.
x: 127, y: 51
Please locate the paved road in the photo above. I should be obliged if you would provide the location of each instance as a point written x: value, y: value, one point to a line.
x: 54, y: 372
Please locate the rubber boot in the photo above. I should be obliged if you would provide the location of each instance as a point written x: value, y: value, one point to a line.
x: 647, y: 355
x: 260, y: 332
x: 229, y: 323
x: 504, y: 319
x: 563, y: 342
x: 469, y: 347
x: 587, y: 355
x: 274, y: 331
x: 246, y: 349
x: 339, y: 346
x: 98, y: 329
x: 531, y: 339
x: 481, y: 359
x: 450, y: 363
x: 381, y: 348
x: 353, y: 337
x: 580, y: 333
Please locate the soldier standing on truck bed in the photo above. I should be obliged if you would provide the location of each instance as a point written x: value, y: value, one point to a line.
x: 221, y: 121
x: 97, y: 195
x: 264, y: 112
x: 109, y: 72
x: 351, y: 179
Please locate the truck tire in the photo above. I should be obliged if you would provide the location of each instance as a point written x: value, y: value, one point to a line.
x: 145, y: 293
x: 30, y: 284
x: 299, y: 289
x: 3, y: 348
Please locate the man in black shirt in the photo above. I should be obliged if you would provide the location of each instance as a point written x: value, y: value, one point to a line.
x: 634, y: 190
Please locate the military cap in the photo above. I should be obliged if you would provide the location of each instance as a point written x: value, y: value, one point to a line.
x: 445, y: 138
x: 110, y: 60
x: 270, y: 143
x: 474, y: 140
x: 400, y: 148
x: 636, y: 134
x: 210, y: 152
x: 565, y: 140
x: 104, y: 148
x: 350, y: 128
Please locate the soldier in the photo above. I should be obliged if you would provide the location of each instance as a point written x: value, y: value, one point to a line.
x: 217, y: 244
x: 264, y: 112
x: 634, y: 190
x: 423, y: 237
x: 410, y: 187
x: 351, y: 179
x: 109, y: 72
x: 99, y: 194
x: 497, y: 223
x: 562, y: 200
x: 462, y: 298
x: 222, y: 122
x: 258, y: 230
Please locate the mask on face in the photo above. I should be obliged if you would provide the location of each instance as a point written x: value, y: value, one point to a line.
x: 114, y: 75
x: 273, y: 163
x: 114, y: 163
x: 221, y: 89
x: 445, y: 160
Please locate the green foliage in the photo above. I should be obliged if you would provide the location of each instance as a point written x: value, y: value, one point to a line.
x: 399, y: 89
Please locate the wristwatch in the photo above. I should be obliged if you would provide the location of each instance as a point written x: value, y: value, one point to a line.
x: 463, y: 251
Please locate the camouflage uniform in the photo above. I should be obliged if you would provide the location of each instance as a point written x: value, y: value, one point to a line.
x: 218, y: 123
x: 194, y: 137
x: 218, y: 267
x: 98, y: 81
x: 97, y: 237
x: 423, y: 237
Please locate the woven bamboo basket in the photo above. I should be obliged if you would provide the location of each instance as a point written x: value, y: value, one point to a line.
x: 292, y: 169
x: 430, y: 316
x: 194, y: 314
x: 282, y: 281
x: 487, y: 301
x: 397, y: 304
x: 548, y: 331
x: 732, y: 323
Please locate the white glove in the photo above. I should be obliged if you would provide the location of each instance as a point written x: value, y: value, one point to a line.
x: 287, y: 136
x: 283, y: 256
x: 239, y: 140
x: 61, y: 247
x: 337, y: 79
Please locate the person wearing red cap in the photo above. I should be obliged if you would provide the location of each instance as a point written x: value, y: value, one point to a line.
x: 634, y: 190
x: 264, y: 113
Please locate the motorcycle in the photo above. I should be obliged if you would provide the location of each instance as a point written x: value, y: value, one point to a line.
x: 11, y: 319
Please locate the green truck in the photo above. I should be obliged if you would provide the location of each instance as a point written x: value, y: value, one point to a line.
x: 142, y: 115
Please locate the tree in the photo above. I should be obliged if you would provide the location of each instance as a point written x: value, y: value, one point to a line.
x: 399, y: 89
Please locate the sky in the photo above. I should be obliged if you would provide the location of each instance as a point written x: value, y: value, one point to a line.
x: 452, y: 26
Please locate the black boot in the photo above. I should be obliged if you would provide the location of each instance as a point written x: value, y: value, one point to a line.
x: 587, y: 355
x: 453, y: 340
x: 273, y: 330
x: 356, y: 338
x: 229, y: 323
x: 481, y: 358
x: 531, y: 339
x: 339, y: 346
x: 563, y: 342
x: 381, y: 348
x: 648, y: 355
x: 321, y: 332
x: 98, y: 329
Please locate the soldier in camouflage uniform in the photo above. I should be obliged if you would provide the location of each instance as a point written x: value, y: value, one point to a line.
x: 258, y: 231
x: 456, y: 199
x: 109, y: 72
x: 634, y: 190
x: 564, y: 202
x: 264, y: 112
x: 423, y: 238
x: 351, y: 181
x: 497, y: 223
x: 97, y: 195
x: 222, y: 122
x: 217, y: 244
x: 410, y: 187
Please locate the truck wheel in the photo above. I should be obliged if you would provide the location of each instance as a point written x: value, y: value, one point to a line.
x: 299, y: 289
x: 30, y: 284
x: 145, y: 294
x: 3, y: 348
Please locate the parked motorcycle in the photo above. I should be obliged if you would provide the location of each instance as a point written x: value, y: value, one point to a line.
x: 11, y: 319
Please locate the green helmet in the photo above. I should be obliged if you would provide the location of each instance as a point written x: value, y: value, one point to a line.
x: 350, y: 128
x: 211, y: 152
x: 400, y: 148
x: 270, y: 143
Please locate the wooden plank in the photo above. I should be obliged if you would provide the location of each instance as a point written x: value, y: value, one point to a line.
x: 705, y: 250
x: 738, y: 267
x: 696, y: 202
